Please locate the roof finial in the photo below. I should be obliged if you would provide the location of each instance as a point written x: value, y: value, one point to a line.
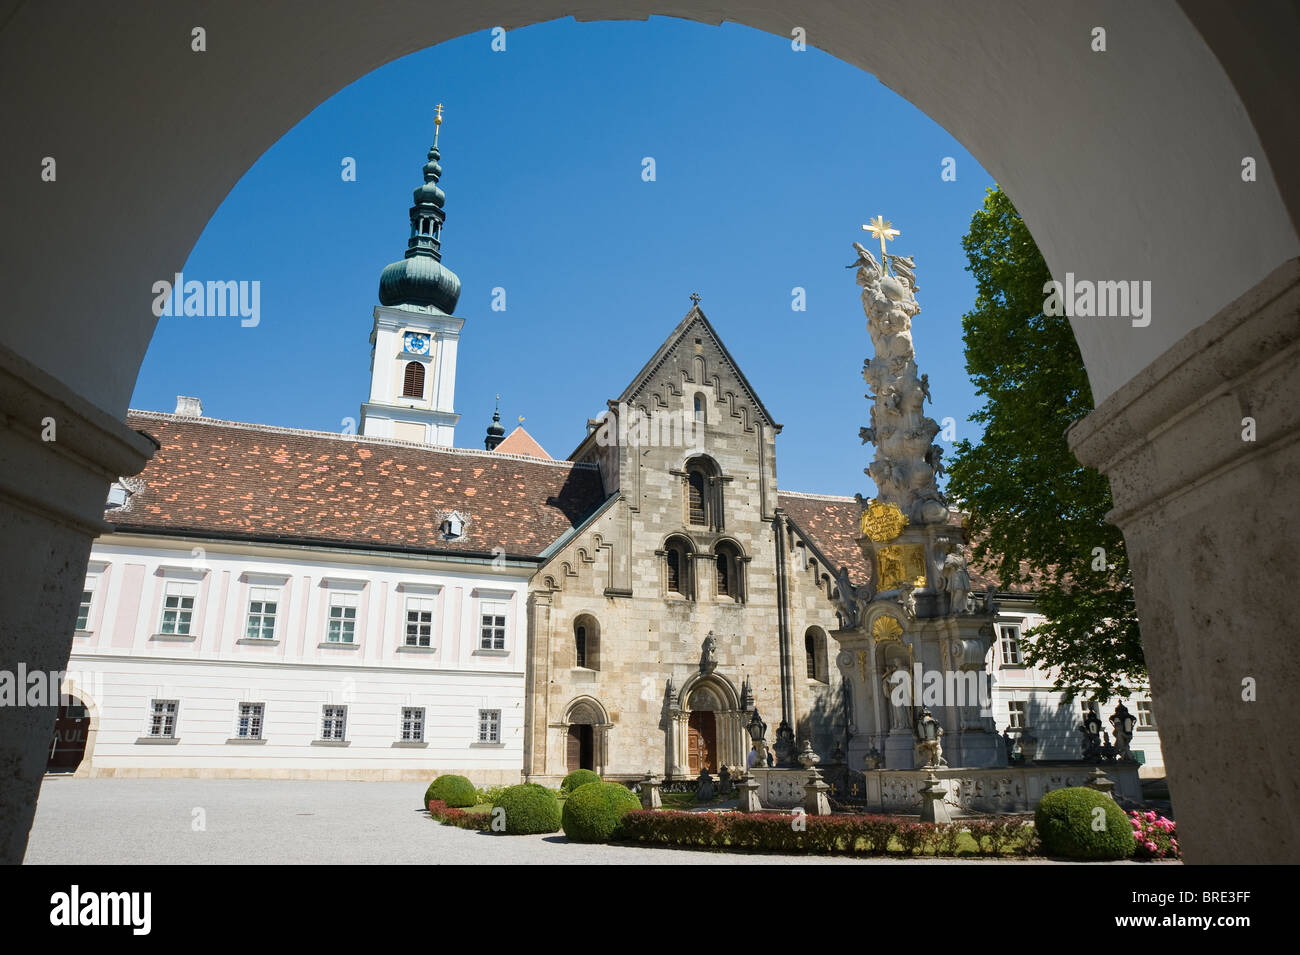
x: 437, y: 122
x: 695, y: 296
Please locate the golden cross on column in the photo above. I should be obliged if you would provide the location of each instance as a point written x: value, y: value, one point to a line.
x: 437, y: 122
x: 879, y: 227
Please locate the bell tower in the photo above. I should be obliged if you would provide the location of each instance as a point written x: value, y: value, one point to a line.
x: 414, y: 338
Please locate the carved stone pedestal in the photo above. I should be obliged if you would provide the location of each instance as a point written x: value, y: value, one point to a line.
x: 933, y: 807
x: 650, y: 798
x: 815, y: 802
x: 748, y: 801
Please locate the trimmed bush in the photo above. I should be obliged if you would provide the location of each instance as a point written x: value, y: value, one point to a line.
x: 1065, y: 823
x: 459, y: 818
x: 528, y: 808
x: 592, y: 812
x: 849, y: 834
x: 454, y: 791
x: 579, y: 777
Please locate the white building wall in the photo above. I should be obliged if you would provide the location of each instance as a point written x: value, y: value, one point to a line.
x: 122, y: 662
x: 1052, y: 720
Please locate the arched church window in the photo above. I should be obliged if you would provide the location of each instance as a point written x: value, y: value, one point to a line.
x: 413, y: 381
x: 728, y: 572
x: 699, y: 408
x: 678, y: 567
x: 814, y: 643
x: 586, y: 642
x: 703, y: 493
x: 698, y: 514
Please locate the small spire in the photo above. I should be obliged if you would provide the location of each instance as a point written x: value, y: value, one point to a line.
x: 495, y: 433
x: 437, y: 122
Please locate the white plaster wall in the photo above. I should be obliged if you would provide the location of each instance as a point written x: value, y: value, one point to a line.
x: 119, y: 661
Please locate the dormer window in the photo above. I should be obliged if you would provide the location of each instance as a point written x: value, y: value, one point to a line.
x: 118, y: 495
x: 452, y: 526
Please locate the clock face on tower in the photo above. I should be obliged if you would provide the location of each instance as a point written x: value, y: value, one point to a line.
x: 416, y: 343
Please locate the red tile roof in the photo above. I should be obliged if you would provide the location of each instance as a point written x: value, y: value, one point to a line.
x: 228, y: 479
x: 520, y: 441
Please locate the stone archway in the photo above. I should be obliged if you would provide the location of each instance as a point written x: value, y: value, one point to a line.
x: 706, y: 713
x: 585, y: 734
x: 1107, y: 192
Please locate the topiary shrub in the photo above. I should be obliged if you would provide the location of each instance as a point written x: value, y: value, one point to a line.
x: 455, y: 791
x: 1068, y: 825
x: 579, y: 777
x: 592, y: 812
x: 528, y: 808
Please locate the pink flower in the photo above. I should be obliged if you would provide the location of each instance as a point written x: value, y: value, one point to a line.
x: 1151, y: 817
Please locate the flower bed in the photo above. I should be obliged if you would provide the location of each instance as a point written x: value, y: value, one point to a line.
x: 848, y: 834
x: 1156, y: 836
x: 450, y: 816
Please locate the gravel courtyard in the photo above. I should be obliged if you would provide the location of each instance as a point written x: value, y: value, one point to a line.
x: 210, y: 821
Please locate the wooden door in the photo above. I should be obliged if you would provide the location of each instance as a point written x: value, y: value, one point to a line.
x: 701, y: 742
x: 69, y: 743
x: 579, y: 752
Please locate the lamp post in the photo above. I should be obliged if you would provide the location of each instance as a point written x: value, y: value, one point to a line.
x: 1122, y: 724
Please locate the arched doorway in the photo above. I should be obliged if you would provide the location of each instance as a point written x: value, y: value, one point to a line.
x: 71, y: 734
x: 585, y: 727
x: 702, y: 731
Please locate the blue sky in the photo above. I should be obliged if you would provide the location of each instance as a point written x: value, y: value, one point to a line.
x: 768, y: 161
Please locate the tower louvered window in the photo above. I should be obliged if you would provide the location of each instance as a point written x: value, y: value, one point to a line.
x: 413, y: 382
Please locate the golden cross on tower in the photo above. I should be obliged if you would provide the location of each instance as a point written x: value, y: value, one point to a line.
x: 879, y: 227
x: 437, y: 121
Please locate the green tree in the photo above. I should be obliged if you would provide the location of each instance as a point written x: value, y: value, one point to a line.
x: 1037, y: 516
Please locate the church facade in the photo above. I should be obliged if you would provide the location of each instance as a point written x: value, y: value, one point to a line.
x: 276, y: 602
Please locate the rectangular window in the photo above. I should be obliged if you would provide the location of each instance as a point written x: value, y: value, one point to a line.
x: 1016, y: 714
x: 492, y: 625
x: 489, y: 726
x: 343, y: 618
x: 333, y: 722
x: 1145, y: 717
x: 83, y: 611
x: 178, y: 607
x: 250, y: 721
x: 162, y: 718
x: 262, y: 605
x: 1009, y: 634
x: 419, y: 621
x: 412, y: 724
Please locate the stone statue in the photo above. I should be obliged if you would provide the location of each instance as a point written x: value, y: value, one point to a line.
x: 846, y: 600
x: 907, y: 600
x: 929, y: 740
x: 954, y: 577
x: 934, y: 458
x: 704, y: 791
x: 724, y: 781
x: 904, y: 470
x: 897, y: 688
x: 709, y: 659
